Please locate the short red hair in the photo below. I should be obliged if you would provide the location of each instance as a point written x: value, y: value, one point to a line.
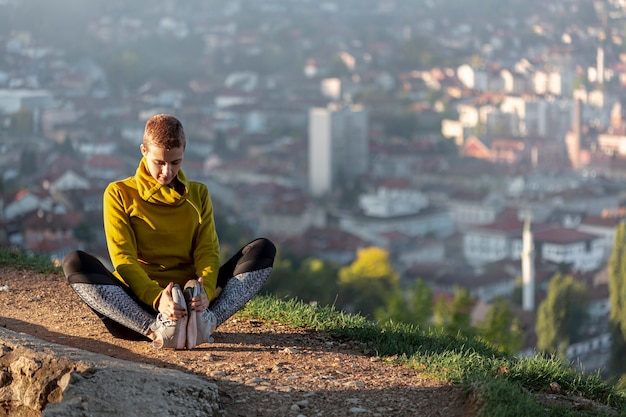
x: 164, y: 131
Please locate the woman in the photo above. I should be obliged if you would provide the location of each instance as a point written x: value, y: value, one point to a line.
x: 166, y: 284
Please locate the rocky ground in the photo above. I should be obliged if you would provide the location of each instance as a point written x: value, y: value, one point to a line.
x: 261, y: 369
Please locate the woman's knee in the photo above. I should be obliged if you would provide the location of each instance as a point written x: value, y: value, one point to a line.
x: 260, y: 248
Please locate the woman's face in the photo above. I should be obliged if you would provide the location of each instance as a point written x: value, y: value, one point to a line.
x: 163, y: 164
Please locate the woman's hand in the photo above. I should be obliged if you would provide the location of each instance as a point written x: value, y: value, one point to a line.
x: 168, y: 308
x: 200, y: 302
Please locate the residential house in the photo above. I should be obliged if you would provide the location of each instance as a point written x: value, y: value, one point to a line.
x: 24, y: 202
x: 491, y: 284
x: 582, y: 251
x: 51, y: 234
x: 330, y: 244
x: 105, y: 167
x: 485, y: 285
x: 392, y: 200
x: 67, y: 181
x: 469, y: 208
x: 473, y: 78
x: 493, y: 242
x: 410, y: 251
x: 593, y: 200
x: 601, y: 226
x: 515, y: 83
x: 290, y: 217
x: 430, y: 221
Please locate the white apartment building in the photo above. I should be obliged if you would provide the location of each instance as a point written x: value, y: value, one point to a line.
x: 582, y: 251
x: 389, y: 202
x: 338, y: 146
x: 492, y: 243
x: 431, y: 221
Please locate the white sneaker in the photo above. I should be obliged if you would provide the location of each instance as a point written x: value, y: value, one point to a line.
x: 169, y: 333
x: 200, y: 326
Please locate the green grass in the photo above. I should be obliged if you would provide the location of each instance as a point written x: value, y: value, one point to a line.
x: 21, y: 259
x: 502, y: 384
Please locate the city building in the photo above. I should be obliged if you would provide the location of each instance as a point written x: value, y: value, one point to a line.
x: 338, y: 146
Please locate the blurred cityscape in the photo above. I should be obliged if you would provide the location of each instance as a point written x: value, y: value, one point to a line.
x: 434, y: 129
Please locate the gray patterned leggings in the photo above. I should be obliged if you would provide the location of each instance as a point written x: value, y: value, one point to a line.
x: 241, y: 277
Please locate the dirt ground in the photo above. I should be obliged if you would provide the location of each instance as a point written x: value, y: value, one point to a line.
x: 261, y: 369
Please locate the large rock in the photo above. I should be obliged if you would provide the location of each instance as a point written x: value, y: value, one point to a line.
x: 39, y: 378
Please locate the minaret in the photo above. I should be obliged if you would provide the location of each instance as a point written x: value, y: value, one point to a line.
x: 528, y: 268
x: 574, y: 145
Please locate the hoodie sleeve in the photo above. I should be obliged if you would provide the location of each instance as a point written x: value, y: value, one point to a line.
x: 122, y: 246
x: 206, y: 249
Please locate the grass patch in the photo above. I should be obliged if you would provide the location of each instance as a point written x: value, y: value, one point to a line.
x: 503, y: 384
x: 22, y: 259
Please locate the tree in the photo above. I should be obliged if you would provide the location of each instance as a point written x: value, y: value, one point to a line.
x: 617, y: 280
x: 310, y: 280
x: 368, y: 281
x: 283, y: 273
x: 617, y: 298
x: 22, y: 123
x: 84, y: 232
x: 316, y: 281
x: 453, y: 315
x: 412, y: 305
x: 501, y: 328
x: 28, y: 162
x: 562, y: 315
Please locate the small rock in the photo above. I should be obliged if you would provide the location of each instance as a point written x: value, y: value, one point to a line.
x: 5, y: 378
x: 291, y: 351
x: 255, y: 381
x: 5, y: 288
x: 555, y: 388
x: 358, y: 410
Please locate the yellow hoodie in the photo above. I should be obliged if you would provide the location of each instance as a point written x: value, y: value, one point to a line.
x: 156, y: 236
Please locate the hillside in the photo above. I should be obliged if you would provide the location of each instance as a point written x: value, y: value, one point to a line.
x: 260, y: 368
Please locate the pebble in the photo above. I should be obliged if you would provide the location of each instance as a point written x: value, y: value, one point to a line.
x: 255, y: 381
x: 5, y: 288
x: 357, y: 384
x: 358, y: 410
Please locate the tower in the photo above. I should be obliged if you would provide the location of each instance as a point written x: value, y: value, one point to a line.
x: 338, y: 146
x: 528, y: 268
x: 573, y: 144
x: 600, y: 64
